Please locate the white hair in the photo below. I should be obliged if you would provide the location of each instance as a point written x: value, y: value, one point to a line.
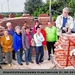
x: 66, y: 8
x: 17, y: 27
x: 8, y: 24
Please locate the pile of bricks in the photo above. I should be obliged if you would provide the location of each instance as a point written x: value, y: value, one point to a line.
x: 18, y: 21
x: 44, y: 20
x: 11, y: 15
x: 61, y: 50
x: 1, y: 16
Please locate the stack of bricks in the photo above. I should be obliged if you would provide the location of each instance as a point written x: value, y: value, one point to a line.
x: 1, y: 16
x: 61, y: 50
x: 11, y: 15
x: 44, y: 18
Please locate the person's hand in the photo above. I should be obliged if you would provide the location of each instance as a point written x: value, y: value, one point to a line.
x: 25, y: 49
x: 64, y: 28
x: 69, y: 31
x: 18, y: 50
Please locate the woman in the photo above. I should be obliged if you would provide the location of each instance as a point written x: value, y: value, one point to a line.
x: 26, y: 42
x: 6, y: 43
x: 38, y: 37
x: 17, y: 44
x: 24, y: 26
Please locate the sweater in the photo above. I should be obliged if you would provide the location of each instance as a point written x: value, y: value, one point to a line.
x: 51, y: 34
x: 17, y: 42
x: 38, y: 39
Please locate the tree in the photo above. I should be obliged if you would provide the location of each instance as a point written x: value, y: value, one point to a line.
x: 32, y: 5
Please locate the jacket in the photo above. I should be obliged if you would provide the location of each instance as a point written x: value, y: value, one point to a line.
x: 59, y: 22
x: 51, y: 34
x: 25, y: 42
x: 17, y: 41
x: 44, y: 35
x: 5, y: 43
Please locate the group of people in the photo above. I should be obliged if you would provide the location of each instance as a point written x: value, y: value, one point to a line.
x: 19, y: 41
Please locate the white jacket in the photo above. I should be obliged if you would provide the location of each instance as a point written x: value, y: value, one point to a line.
x: 59, y: 22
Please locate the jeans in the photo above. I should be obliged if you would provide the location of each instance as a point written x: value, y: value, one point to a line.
x: 19, y: 56
x: 28, y: 55
x: 39, y: 54
x: 9, y: 57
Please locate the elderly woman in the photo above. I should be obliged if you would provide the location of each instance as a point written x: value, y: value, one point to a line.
x: 26, y: 42
x: 6, y: 43
x: 17, y: 44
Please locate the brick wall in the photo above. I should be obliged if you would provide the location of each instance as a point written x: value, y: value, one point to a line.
x: 18, y: 21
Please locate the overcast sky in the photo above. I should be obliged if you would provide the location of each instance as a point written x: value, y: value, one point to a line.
x: 14, y: 5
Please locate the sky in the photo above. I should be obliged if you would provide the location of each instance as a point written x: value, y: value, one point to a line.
x: 12, y: 5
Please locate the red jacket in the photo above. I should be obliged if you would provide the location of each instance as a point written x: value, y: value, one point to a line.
x: 44, y: 35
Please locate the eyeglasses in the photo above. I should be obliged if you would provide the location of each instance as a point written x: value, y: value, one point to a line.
x: 66, y: 12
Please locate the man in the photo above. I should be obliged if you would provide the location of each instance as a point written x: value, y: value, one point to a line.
x: 51, y: 37
x: 11, y: 32
x: 64, y: 22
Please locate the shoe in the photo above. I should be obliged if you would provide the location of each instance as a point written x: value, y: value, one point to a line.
x: 12, y: 64
x: 21, y: 64
x: 23, y: 60
x: 3, y: 63
x: 41, y: 61
x: 9, y: 65
x: 27, y: 63
x: 48, y: 58
x: 32, y: 62
x: 14, y: 59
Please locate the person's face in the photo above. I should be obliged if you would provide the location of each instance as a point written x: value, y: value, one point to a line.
x: 37, y: 23
x: 27, y: 30
x: 5, y: 33
x: 49, y: 24
x: 10, y: 27
x: 65, y: 13
x: 38, y: 30
x: 18, y: 30
x: 41, y: 27
x: 25, y: 24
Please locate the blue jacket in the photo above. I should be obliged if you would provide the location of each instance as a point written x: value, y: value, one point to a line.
x: 11, y: 32
x: 17, y: 41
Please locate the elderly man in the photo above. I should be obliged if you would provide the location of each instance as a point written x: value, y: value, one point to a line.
x: 64, y: 22
x: 11, y: 32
